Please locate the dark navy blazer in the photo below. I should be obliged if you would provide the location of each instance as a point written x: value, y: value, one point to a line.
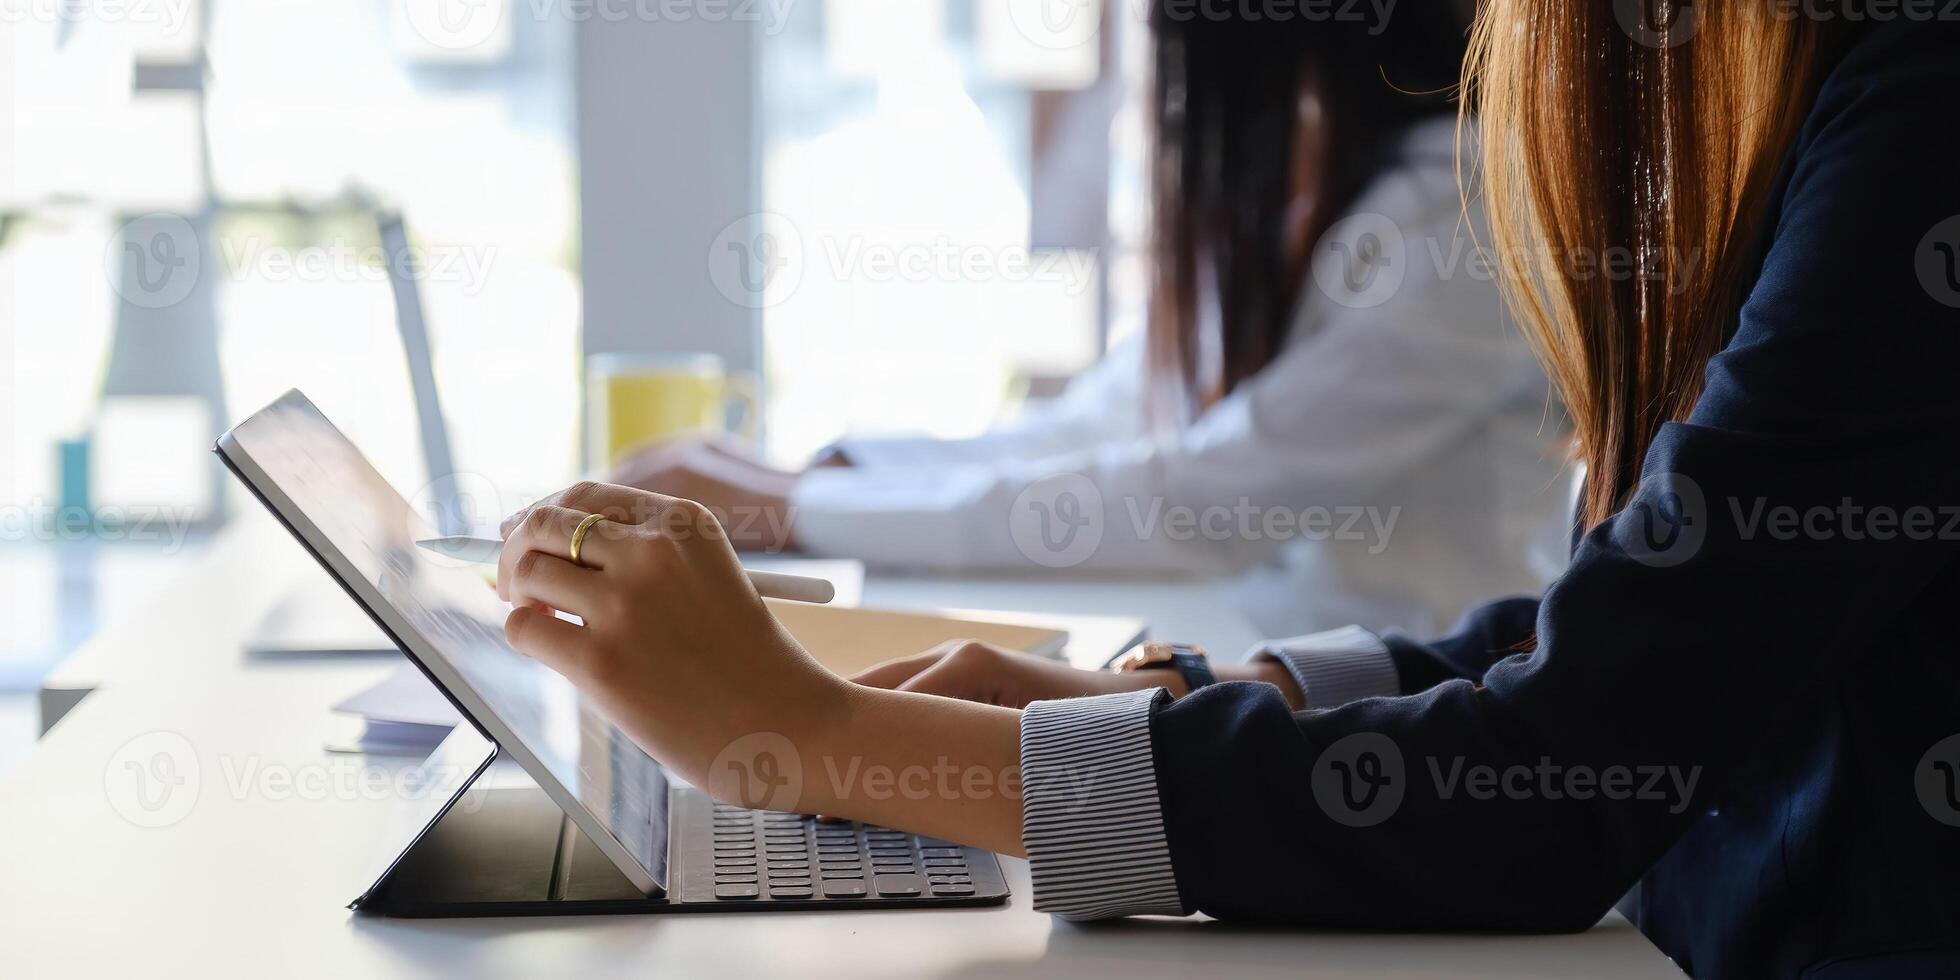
x: 1774, y: 613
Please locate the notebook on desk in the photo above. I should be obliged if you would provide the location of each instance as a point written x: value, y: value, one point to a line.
x: 850, y: 640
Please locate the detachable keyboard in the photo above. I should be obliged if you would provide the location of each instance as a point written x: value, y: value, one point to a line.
x: 725, y: 855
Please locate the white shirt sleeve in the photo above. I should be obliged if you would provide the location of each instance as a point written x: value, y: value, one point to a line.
x: 1101, y: 405
x: 1371, y: 387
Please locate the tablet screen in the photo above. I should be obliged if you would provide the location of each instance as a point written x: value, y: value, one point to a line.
x: 452, y: 624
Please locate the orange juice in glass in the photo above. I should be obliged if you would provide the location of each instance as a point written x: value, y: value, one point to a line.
x: 636, y: 400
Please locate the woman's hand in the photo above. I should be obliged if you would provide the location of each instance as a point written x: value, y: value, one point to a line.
x: 676, y: 646
x: 751, y: 500
x: 973, y: 671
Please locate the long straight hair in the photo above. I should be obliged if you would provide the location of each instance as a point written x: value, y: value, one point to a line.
x: 1651, y: 143
x: 1233, y: 105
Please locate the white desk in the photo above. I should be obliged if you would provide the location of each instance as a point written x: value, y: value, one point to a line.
x: 275, y: 835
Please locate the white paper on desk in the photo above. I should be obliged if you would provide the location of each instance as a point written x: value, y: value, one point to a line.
x: 405, y: 697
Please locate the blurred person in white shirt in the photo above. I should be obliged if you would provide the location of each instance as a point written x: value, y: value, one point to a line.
x: 1329, y: 400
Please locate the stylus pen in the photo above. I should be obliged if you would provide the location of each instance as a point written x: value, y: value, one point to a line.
x: 772, y: 585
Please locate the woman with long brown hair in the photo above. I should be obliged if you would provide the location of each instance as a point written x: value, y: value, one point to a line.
x: 1329, y: 401
x: 1733, y: 228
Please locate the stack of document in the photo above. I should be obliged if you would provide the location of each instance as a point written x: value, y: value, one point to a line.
x: 403, y: 715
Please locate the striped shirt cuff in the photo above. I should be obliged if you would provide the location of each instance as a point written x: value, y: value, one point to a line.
x: 1336, y: 667
x: 1090, y: 816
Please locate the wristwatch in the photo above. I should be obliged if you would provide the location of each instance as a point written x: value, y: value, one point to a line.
x: 1188, y: 659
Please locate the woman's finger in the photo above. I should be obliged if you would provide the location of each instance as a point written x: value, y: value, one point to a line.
x: 894, y: 672
x: 954, y: 677
x: 548, y: 530
x: 545, y: 638
x: 621, y: 505
x: 540, y: 579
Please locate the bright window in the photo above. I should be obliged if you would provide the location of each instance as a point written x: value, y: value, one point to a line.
x: 898, y: 146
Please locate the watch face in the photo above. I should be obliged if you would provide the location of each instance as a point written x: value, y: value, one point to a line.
x: 1155, y: 655
x: 1144, y: 657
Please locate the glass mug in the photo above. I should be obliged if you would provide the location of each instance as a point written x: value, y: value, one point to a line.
x: 636, y: 400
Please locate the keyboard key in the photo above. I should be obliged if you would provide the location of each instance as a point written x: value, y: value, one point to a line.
x: 945, y: 862
x: 776, y: 872
x: 735, y: 879
x: 838, y: 874
x: 844, y: 887
x: 952, y: 890
x: 775, y: 892
x: 899, y: 885
x: 942, y: 852
x: 949, y: 880
x: 734, y: 862
x: 737, y: 891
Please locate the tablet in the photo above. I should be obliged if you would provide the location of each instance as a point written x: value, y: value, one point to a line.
x: 451, y: 625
